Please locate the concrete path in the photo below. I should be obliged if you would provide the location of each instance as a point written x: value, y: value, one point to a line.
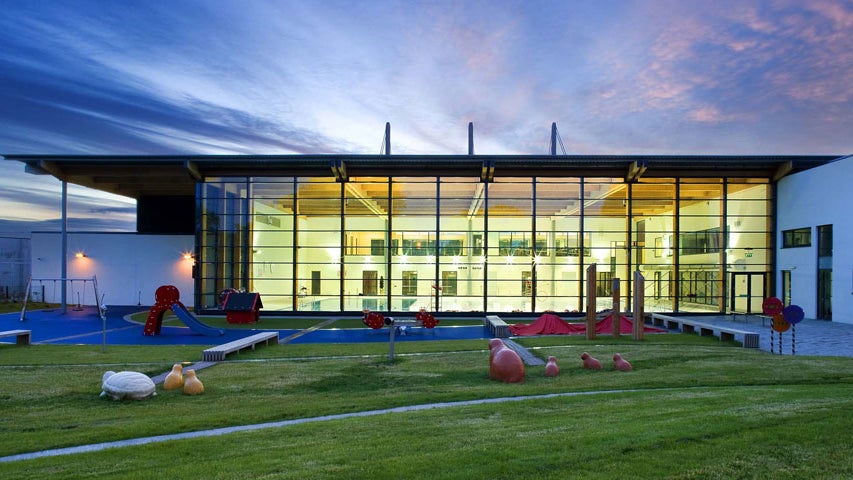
x: 809, y: 337
x: 96, y: 447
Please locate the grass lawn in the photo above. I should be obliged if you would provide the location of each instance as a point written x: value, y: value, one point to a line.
x: 692, y: 408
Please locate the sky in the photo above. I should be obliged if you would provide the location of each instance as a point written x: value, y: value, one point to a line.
x: 279, y: 77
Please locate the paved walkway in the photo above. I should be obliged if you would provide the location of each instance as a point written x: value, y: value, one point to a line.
x: 809, y: 337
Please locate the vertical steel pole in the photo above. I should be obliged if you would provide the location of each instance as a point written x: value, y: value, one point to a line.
x: 64, y: 265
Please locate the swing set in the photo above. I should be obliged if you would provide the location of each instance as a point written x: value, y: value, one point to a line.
x: 80, y: 302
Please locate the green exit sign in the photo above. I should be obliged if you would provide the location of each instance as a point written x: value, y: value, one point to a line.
x: 748, y: 254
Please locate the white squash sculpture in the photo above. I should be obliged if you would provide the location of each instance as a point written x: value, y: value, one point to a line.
x: 130, y: 385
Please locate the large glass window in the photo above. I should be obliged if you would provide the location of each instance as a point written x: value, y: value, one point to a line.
x: 653, y: 240
x: 605, y: 218
x: 456, y: 244
x: 509, y: 207
x: 272, y: 261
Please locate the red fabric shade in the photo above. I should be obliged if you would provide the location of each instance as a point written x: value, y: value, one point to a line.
x: 550, y: 324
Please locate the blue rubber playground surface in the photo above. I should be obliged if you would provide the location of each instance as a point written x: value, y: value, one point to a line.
x: 85, y: 327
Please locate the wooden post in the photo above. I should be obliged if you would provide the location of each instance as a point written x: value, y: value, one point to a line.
x: 639, y: 305
x: 590, y: 301
x: 616, y: 316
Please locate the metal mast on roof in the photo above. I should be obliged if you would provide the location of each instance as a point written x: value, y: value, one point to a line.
x: 555, y: 138
x: 386, y: 140
x: 470, y: 138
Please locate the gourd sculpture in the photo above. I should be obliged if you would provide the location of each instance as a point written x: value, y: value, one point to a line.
x: 505, y: 364
x: 621, y: 364
x: 192, y: 385
x: 129, y: 385
x: 590, y: 362
x: 551, y: 368
x: 175, y: 378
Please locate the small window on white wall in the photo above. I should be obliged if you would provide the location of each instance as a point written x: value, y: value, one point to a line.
x: 798, y: 237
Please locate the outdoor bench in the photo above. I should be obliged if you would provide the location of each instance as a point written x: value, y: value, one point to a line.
x: 497, y: 327
x: 218, y: 353
x: 23, y: 336
x: 687, y: 325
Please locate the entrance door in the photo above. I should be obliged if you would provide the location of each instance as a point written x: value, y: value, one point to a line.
x: 369, y: 282
x: 824, y: 294
x: 748, y: 292
x: 824, y: 272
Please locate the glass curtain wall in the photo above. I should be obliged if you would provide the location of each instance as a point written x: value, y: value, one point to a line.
x: 605, y: 214
x: 510, y: 245
x: 562, y: 247
x: 653, y: 239
x: 223, y: 242
x: 456, y: 244
x: 366, y: 243
x: 749, y: 254
x: 701, y: 244
x: 461, y: 245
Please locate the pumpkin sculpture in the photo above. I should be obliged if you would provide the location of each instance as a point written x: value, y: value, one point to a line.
x: 192, y: 385
x: 505, y: 364
x: 551, y: 368
x: 129, y: 385
x: 175, y: 378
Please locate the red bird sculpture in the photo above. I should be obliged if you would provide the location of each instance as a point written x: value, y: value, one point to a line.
x: 621, y: 364
x: 590, y: 362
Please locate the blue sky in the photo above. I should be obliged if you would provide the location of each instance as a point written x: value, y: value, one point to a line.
x: 251, y: 76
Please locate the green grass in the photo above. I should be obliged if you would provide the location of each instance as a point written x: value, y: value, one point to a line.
x: 692, y: 408
x: 7, y: 307
x: 288, y: 323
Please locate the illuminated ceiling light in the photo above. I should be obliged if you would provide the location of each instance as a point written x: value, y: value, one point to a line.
x: 509, y: 260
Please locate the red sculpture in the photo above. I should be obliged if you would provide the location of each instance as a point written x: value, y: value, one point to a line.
x: 164, y: 297
x: 590, y: 362
x: 504, y: 364
x: 551, y: 368
x: 374, y: 320
x: 426, y: 319
x: 621, y: 364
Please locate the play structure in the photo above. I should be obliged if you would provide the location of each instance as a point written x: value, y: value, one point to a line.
x: 167, y: 297
x: 376, y: 320
x: 782, y: 319
x: 242, y: 307
x: 613, y: 323
x: 78, y: 290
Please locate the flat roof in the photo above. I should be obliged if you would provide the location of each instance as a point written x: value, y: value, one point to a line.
x: 138, y: 176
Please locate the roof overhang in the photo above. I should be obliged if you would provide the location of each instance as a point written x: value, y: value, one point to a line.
x: 138, y: 176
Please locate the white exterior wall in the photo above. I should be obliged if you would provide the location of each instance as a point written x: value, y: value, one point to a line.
x: 129, y: 266
x: 820, y: 196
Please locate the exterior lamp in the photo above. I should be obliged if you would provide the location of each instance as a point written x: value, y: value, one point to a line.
x: 79, y: 255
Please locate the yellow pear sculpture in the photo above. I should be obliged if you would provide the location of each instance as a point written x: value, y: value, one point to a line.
x: 175, y: 378
x: 192, y: 385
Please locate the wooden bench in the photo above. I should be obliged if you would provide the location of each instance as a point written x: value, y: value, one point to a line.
x: 686, y: 325
x: 497, y: 327
x: 23, y: 336
x: 218, y: 353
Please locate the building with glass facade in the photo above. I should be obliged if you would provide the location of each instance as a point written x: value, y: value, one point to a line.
x: 460, y: 233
